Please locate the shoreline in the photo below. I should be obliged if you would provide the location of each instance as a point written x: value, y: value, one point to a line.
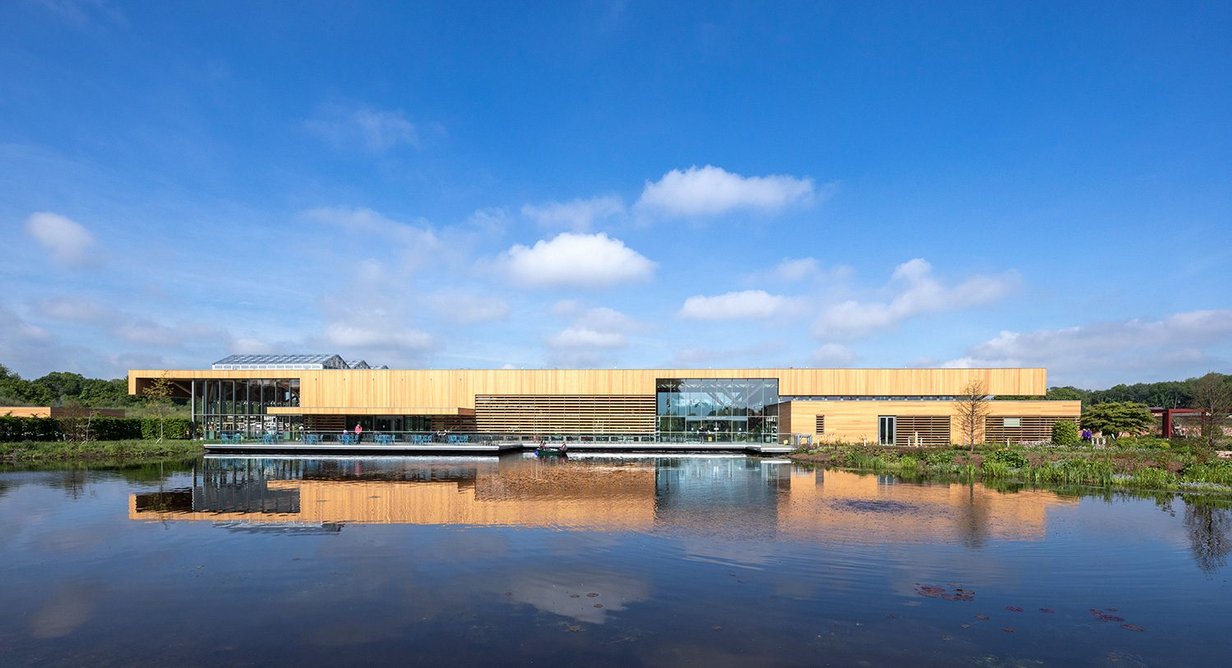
x: 120, y: 453
x: 1145, y: 469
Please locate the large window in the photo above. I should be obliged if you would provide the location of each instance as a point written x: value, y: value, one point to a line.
x: 238, y: 406
x: 717, y: 409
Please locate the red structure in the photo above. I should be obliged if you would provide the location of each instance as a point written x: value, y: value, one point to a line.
x: 1166, y: 415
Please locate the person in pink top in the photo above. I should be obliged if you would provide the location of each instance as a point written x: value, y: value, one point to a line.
x: 359, y: 433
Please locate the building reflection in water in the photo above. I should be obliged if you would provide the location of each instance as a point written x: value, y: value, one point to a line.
x: 736, y: 496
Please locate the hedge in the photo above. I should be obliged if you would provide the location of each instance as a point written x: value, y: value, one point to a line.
x: 15, y: 429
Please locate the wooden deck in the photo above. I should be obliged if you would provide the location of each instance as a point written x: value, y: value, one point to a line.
x: 296, y: 447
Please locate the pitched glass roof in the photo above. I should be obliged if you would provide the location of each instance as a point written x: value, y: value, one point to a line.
x: 281, y: 362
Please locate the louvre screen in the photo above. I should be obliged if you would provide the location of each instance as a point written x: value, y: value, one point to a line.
x: 922, y: 430
x: 546, y: 414
x: 1037, y: 429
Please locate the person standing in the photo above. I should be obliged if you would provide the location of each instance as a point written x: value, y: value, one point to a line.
x: 359, y: 433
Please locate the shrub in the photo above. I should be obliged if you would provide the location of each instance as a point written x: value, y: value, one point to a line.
x: 1065, y: 432
x: 1144, y: 442
x: 1009, y: 458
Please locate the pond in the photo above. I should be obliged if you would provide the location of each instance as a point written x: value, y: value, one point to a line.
x: 598, y: 560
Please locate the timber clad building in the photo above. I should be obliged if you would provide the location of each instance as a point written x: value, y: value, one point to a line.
x: 303, y: 395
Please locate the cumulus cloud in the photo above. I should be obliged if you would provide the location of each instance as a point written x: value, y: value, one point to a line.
x: 372, y: 130
x: 577, y: 215
x: 918, y: 293
x: 68, y: 241
x: 746, y: 304
x: 372, y: 317
x: 419, y: 244
x: 710, y: 191
x: 590, y: 335
x: 585, y: 337
x: 150, y: 333
x: 576, y: 260
x: 491, y: 221
x: 361, y: 335
x: 468, y: 309
x: 128, y: 327
x: 797, y: 269
x: 74, y: 309
x: 1101, y: 353
x: 833, y: 355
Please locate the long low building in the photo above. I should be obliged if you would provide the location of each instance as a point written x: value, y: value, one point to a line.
x: 314, y: 396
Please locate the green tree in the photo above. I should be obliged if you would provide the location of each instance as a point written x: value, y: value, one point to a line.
x: 158, y: 398
x: 16, y: 391
x: 61, y: 386
x: 1212, y: 394
x: 1066, y: 393
x: 1114, y: 418
x: 971, y: 406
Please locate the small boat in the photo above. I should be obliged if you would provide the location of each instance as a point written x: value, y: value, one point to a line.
x: 545, y: 450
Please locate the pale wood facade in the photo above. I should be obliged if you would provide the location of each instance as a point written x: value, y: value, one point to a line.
x: 857, y: 421
x: 826, y: 404
x: 445, y: 391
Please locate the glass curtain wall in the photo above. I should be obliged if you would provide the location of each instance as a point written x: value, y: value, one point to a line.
x: 238, y: 407
x: 717, y: 410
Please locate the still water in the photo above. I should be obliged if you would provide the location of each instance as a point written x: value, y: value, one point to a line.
x: 699, y: 560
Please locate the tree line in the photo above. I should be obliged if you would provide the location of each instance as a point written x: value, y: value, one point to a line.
x: 1166, y: 394
x: 61, y: 388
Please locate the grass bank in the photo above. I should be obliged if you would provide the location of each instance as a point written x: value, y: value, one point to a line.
x: 98, y: 452
x: 1148, y: 465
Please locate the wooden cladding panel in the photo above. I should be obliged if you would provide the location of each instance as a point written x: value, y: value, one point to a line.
x: 922, y: 430
x: 456, y: 388
x: 565, y: 414
x: 1030, y: 429
x: 856, y: 421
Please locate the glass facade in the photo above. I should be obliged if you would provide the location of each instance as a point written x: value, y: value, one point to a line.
x: 238, y: 406
x: 717, y: 410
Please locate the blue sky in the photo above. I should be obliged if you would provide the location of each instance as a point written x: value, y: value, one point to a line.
x: 618, y: 184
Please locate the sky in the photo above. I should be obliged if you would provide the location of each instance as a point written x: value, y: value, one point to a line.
x: 618, y: 185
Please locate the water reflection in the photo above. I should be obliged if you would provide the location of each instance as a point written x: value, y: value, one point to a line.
x: 599, y: 561
x: 1209, y: 526
x: 741, y: 498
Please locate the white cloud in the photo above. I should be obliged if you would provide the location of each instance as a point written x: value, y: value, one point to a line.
x: 418, y: 244
x: 918, y: 293
x: 467, y: 309
x: 250, y: 346
x: 576, y: 260
x: 87, y: 13
x: 358, y: 335
x: 74, y: 309
x: 797, y: 269
x: 68, y: 241
x: 747, y: 304
x: 577, y: 215
x: 833, y: 355
x: 585, y: 337
x: 1102, y: 353
x: 591, y: 335
x: 709, y: 191
x: 372, y: 130
x: 491, y: 221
